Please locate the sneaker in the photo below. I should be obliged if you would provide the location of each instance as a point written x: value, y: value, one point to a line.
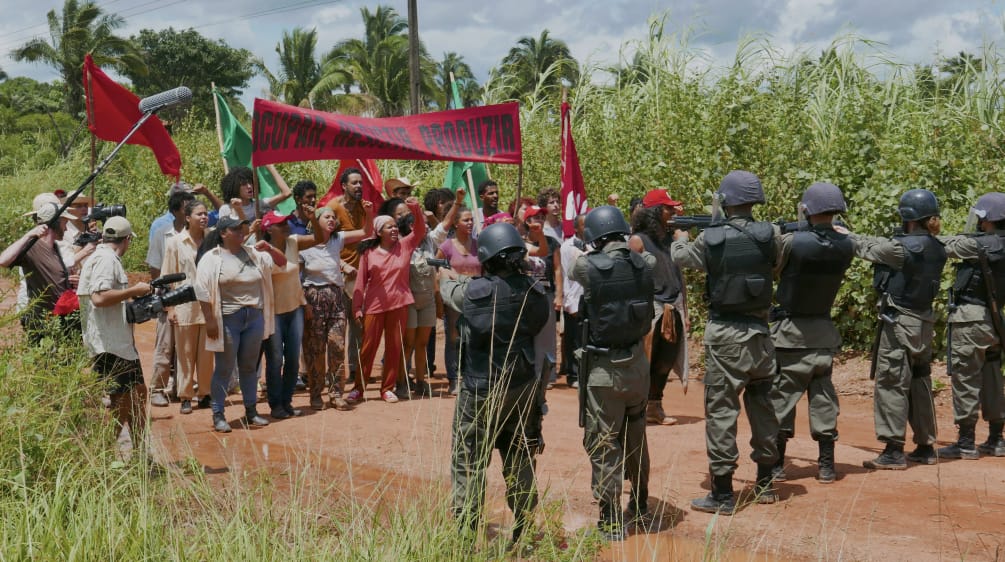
x: 354, y: 396
x: 924, y: 454
x: 159, y: 399
x: 186, y: 406
x: 389, y: 397
x: 656, y: 416
x: 340, y: 403
x: 452, y: 388
x: 220, y: 423
x: 992, y: 447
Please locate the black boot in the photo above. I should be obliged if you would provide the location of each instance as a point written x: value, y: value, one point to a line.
x: 720, y: 500
x: 825, y: 462
x: 638, y: 509
x: 995, y: 445
x: 923, y: 454
x: 964, y: 448
x: 764, y: 489
x: 892, y: 458
x: 778, y: 470
x: 251, y: 417
x: 220, y: 423
x: 610, y: 525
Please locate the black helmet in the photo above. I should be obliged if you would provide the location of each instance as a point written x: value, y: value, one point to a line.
x: 990, y: 207
x: 498, y: 238
x: 918, y: 204
x: 823, y: 198
x: 603, y: 221
x: 740, y: 187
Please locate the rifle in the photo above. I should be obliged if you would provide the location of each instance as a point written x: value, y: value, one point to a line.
x: 882, y: 277
x: 584, y: 372
x: 989, y: 285
x: 686, y: 222
x: 949, y: 333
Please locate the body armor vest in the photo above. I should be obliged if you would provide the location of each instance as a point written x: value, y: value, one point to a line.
x: 813, y: 274
x: 739, y: 264
x: 969, y: 286
x: 666, y: 280
x: 916, y: 284
x: 500, y: 317
x: 620, y: 305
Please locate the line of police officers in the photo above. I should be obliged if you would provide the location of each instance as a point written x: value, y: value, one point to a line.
x: 768, y: 347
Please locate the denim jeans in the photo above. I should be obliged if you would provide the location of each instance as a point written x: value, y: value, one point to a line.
x: 282, y: 357
x: 242, y: 344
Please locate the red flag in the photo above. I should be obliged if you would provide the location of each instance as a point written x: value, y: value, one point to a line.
x: 573, y: 191
x: 373, y: 184
x: 112, y: 110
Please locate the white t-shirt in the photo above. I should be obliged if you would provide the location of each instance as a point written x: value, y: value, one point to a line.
x: 322, y: 264
x: 105, y: 328
x: 249, y: 210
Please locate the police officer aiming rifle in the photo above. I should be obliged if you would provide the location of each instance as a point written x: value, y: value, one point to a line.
x: 614, y: 371
x: 975, y: 329
x: 499, y: 404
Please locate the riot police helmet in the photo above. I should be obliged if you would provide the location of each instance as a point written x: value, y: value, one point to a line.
x: 498, y: 239
x: 990, y: 207
x: 822, y: 198
x: 604, y: 221
x: 740, y: 187
x: 918, y: 204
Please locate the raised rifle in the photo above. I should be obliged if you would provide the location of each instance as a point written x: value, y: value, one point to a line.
x: 687, y: 222
x: 989, y: 285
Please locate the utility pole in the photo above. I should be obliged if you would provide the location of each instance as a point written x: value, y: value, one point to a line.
x: 413, y: 56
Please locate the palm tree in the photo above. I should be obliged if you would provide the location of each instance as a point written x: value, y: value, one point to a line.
x: 466, y: 84
x: 3, y: 75
x: 299, y: 71
x: 532, y: 57
x: 372, y: 73
x: 82, y: 29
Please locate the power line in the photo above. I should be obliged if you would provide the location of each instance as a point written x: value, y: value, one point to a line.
x: 46, y: 23
x: 270, y: 12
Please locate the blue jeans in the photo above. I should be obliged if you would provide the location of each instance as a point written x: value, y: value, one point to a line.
x: 242, y: 344
x: 282, y: 357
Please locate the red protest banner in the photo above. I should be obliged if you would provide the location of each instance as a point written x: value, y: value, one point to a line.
x: 284, y: 133
x: 573, y: 189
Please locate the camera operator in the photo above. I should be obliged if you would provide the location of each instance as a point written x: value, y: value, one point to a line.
x: 103, y: 292
x: 44, y: 265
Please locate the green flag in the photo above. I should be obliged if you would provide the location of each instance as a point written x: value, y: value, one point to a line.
x: 237, y: 152
x: 457, y: 172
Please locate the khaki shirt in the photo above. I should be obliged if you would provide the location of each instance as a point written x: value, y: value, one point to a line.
x: 179, y: 257
x: 889, y: 252
x: 692, y: 255
x: 105, y: 327
x: 965, y: 248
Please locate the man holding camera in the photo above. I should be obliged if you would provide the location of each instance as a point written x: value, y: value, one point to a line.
x: 103, y: 291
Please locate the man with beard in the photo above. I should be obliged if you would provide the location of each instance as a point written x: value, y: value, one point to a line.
x: 488, y: 193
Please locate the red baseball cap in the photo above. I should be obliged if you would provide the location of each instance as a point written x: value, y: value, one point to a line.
x: 657, y: 197
x: 534, y: 210
x: 272, y: 219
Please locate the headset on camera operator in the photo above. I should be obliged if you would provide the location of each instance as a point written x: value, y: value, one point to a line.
x: 103, y: 291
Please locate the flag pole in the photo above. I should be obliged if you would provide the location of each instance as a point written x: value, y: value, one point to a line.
x: 219, y: 130
x: 480, y: 218
x: 94, y: 147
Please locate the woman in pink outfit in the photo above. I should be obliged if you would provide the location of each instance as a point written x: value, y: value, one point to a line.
x: 382, y: 296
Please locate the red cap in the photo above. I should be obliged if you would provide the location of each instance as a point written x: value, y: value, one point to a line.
x: 272, y: 219
x: 534, y: 210
x: 658, y: 197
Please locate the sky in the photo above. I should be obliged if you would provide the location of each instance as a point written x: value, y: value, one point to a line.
x: 598, y: 31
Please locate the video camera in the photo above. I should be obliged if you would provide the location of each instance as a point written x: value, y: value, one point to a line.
x: 152, y: 305
x: 99, y: 212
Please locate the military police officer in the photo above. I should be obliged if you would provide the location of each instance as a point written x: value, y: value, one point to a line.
x: 614, y: 371
x: 499, y: 403
x: 908, y: 271
x: 738, y: 255
x: 975, y: 345
x: 814, y: 260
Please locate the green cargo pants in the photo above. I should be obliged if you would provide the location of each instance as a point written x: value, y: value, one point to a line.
x: 615, y: 428
x: 499, y: 420
x: 903, y: 392
x: 977, y: 373
x: 730, y: 369
x: 806, y: 371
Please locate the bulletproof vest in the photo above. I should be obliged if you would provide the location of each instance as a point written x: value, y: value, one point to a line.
x: 916, y: 284
x: 620, y: 303
x: 666, y: 280
x: 970, y: 286
x: 814, y: 271
x: 739, y: 260
x: 500, y: 317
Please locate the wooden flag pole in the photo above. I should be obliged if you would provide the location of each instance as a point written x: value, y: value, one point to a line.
x: 219, y: 131
x: 94, y: 147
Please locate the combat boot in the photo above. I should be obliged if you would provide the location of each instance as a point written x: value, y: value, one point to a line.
x: 720, y: 500
x: 892, y: 458
x: 825, y: 462
x: 764, y: 489
x: 964, y: 447
x: 995, y: 445
x: 923, y: 454
x: 610, y: 525
x: 778, y: 470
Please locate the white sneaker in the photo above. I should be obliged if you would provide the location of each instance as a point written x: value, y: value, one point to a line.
x: 389, y: 396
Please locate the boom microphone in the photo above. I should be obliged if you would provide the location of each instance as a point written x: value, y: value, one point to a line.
x: 178, y: 96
